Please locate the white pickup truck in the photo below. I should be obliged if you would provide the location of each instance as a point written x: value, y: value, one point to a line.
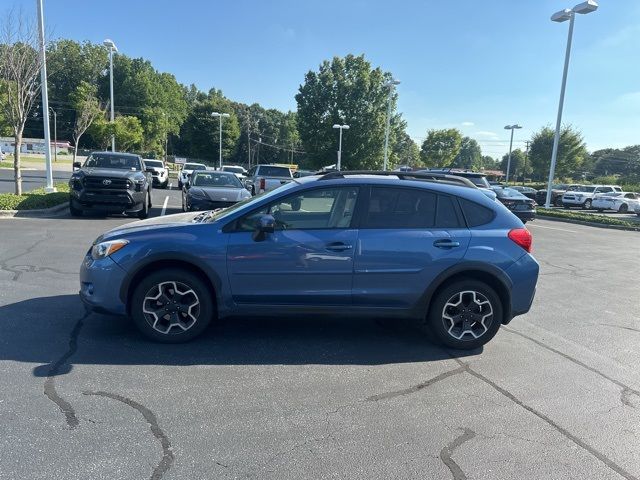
x: 262, y: 178
x: 583, y: 195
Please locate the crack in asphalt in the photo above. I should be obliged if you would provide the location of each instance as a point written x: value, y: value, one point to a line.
x: 631, y: 329
x: 50, y: 386
x: 167, y: 454
x: 578, y: 441
x: 626, y: 389
x: 17, y: 273
x: 447, y: 451
x: 415, y: 388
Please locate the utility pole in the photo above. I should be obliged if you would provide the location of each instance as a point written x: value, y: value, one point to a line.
x: 249, y: 138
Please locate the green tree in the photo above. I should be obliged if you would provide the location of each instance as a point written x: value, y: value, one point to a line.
x: 441, y: 147
x: 517, y: 163
x: 469, y: 156
x: 489, y: 163
x: 405, y: 151
x: 344, y: 90
x: 127, y: 130
x: 572, y: 152
x: 614, y: 161
x: 87, y: 109
x: 199, y: 135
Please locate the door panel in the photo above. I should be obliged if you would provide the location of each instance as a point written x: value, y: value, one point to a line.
x: 292, y: 267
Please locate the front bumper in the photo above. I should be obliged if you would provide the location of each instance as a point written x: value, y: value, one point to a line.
x: 100, y: 282
x: 113, y: 201
x: 577, y: 202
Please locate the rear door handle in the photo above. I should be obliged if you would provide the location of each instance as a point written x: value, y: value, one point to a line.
x: 446, y: 243
x: 338, y: 247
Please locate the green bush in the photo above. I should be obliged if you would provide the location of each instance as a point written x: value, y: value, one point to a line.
x: 35, y: 199
x: 586, y: 217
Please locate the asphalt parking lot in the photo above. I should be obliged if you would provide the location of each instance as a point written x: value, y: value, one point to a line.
x: 31, y: 179
x: 555, y: 395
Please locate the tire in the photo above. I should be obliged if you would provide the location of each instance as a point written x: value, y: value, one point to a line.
x: 566, y: 206
x: 75, y: 212
x: 180, y: 185
x: 184, y: 320
x: 558, y: 202
x: 490, y: 310
x: 253, y: 191
x: 624, y: 208
x: 144, y: 213
x: 587, y: 204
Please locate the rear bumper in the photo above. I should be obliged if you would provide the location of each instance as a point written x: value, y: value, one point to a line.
x: 525, y: 215
x: 524, y: 275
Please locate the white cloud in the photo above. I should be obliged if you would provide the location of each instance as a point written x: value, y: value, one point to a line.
x: 467, y: 124
x: 486, y: 134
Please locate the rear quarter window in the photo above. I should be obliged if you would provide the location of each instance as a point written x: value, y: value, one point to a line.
x: 475, y: 214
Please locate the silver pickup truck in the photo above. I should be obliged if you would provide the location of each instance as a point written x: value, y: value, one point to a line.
x: 262, y: 178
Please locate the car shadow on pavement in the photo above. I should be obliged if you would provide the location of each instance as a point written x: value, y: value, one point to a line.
x: 41, y: 330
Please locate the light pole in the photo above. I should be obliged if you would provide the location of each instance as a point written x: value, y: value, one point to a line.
x: 45, y: 100
x: 341, y: 128
x: 562, y: 16
x: 220, y: 116
x: 512, y: 128
x: 390, y: 84
x: 112, y: 48
x: 55, y: 134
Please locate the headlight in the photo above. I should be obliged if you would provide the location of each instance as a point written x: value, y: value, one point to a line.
x: 104, y: 249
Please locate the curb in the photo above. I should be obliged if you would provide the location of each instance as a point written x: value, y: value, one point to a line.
x: 589, y: 224
x: 36, y: 213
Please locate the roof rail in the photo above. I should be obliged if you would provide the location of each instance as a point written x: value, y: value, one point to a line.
x: 424, y: 176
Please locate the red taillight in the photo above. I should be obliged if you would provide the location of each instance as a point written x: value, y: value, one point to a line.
x: 522, y: 237
x: 263, y: 184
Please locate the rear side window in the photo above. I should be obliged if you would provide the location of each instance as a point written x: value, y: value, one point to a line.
x: 475, y: 214
x: 400, y: 208
x: 447, y: 213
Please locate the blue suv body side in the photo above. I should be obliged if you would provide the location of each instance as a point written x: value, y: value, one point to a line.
x: 387, y: 271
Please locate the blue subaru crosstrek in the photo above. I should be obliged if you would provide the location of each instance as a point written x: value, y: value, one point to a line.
x: 428, y: 247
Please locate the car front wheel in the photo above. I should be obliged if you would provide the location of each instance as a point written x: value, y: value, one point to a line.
x: 624, y: 208
x: 586, y: 205
x: 144, y: 213
x: 75, y: 212
x: 465, y: 314
x: 172, y: 306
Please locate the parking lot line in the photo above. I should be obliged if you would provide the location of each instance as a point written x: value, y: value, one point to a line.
x: 170, y: 185
x: 164, y: 205
x: 551, y: 228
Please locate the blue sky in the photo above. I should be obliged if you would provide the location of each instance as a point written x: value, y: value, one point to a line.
x: 470, y: 64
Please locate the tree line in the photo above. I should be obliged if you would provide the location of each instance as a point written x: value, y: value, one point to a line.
x: 156, y: 115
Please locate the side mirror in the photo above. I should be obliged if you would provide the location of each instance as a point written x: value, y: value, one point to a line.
x: 264, y: 224
x: 77, y: 165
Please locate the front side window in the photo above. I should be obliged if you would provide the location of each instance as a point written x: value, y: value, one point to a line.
x: 323, y: 208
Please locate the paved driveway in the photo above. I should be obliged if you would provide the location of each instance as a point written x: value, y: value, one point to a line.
x: 554, y: 395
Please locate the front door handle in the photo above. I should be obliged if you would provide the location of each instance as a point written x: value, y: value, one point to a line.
x: 446, y: 243
x: 338, y: 247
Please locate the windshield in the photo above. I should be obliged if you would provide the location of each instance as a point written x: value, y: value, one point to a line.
x: 194, y: 166
x: 269, y: 171
x: 233, y: 169
x: 108, y: 160
x: 478, y: 181
x: 507, y: 193
x: 218, y: 179
x: 154, y: 163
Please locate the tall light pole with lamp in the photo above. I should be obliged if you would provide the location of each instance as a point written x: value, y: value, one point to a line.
x: 112, y: 48
x: 512, y: 128
x: 55, y: 134
x: 220, y: 116
x: 45, y: 100
x: 390, y: 84
x: 341, y: 128
x: 562, y: 16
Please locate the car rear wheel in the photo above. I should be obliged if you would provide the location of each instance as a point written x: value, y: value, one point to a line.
x: 558, y: 202
x: 465, y: 314
x: 624, y: 208
x: 75, y: 212
x: 587, y: 204
x: 172, y: 306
